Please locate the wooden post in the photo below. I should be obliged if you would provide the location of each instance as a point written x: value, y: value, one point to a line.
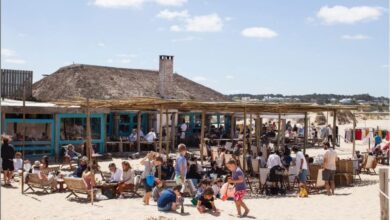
x: 24, y: 133
x: 232, y: 126
x: 384, y: 192
x: 305, y: 134
x: 257, y: 131
x: 283, y: 136
x: 138, y: 131
x: 160, y: 139
x: 279, y: 134
x: 353, y: 136
x: 334, y: 128
x: 89, y: 144
x: 202, y: 136
x: 167, y: 132
x: 173, y: 130
x: 244, y: 143
x: 250, y: 131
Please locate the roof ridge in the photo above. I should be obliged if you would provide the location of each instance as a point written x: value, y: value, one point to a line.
x: 99, y: 66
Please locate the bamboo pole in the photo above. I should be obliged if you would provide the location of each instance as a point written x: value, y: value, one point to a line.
x: 160, y: 139
x: 257, y: 131
x: 244, y: 143
x: 24, y: 133
x: 334, y: 128
x: 354, y: 136
x: 173, y: 131
x: 232, y: 126
x: 202, y: 136
x: 138, y: 131
x: 166, y: 131
x: 306, y: 134
x: 279, y: 135
x: 384, y: 192
x: 89, y: 145
x: 250, y: 131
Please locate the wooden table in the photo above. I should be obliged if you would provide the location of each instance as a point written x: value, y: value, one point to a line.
x: 61, y: 183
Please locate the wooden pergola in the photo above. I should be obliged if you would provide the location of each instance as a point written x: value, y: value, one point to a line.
x: 163, y: 106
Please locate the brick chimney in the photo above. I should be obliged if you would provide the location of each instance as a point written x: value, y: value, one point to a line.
x: 166, y: 76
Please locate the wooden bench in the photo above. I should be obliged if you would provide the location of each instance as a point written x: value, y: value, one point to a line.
x: 33, y: 181
x: 77, y: 186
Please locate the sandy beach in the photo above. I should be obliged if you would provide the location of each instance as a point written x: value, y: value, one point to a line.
x: 358, y: 202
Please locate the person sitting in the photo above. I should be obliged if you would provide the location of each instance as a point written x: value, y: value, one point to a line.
x: 71, y: 153
x: 193, y: 174
x: 36, y: 169
x: 157, y: 190
x: 89, y: 180
x: 169, y: 199
x: 81, y: 168
x: 45, y: 162
x: 206, y: 201
x: 116, y: 173
x: 133, y: 136
x: 151, y: 136
x: 167, y: 170
x: 18, y: 162
x: 127, y: 179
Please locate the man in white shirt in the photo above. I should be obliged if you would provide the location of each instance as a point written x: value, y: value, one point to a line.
x: 301, y: 166
x: 116, y: 174
x: 329, y: 166
x: 274, y: 160
x: 151, y: 136
x: 183, y: 129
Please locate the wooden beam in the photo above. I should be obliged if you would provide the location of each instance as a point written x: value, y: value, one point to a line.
x: 167, y: 132
x: 384, y: 192
x: 139, y: 131
x: 353, y: 136
x: 173, y: 131
x: 305, y: 134
x: 160, y: 139
x: 232, y: 126
x: 334, y: 128
x: 244, y: 144
x: 257, y: 131
x: 250, y: 131
x: 202, y: 136
x: 279, y: 134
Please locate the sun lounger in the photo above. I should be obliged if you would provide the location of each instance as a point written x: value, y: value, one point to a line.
x: 77, y: 186
x: 33, y: 181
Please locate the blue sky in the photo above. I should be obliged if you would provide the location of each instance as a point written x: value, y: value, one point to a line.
x: 233, y: 46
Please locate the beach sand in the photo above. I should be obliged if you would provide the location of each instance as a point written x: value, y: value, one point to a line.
x: 358, y: 202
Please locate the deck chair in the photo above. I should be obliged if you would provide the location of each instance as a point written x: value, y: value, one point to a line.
x: 133, y: 193
x: 33, y: 181
x: 370, y: 164
x: 190, y: 189
x: 315, y: 182
x: 77, y: 186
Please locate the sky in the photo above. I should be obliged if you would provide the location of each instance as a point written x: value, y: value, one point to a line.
x: 233, y: 46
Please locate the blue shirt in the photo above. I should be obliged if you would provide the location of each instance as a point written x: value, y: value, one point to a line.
x: 235, y: 176
x: 167, y: 196
x: 378, y: 140
x: 181, y: 161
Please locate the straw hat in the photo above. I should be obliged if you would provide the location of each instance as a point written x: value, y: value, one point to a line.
x: 36, y: 164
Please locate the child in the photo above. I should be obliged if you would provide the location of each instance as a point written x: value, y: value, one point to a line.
x: 150, y: 162
x: 181, y: 165
x: 217, y: 187
x: 18, y: 162
x: 201, y: 188
x: 206, y: 201
x: 239, y: 184
x: 169, y: 199
x: 157, y: 190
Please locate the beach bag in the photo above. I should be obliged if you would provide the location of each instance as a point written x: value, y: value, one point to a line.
x: 303, y: 192
x: 150, y: 180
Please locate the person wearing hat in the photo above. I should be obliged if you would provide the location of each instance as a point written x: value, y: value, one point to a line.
x: 36, y: 169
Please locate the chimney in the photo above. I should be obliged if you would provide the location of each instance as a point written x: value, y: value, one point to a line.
x: 166, y: 76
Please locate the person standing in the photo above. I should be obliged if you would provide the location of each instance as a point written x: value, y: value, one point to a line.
x: 7, y: 155
x: 301, y: 166
x: 181, y: 166
x: 329, y: 166
x: 150, y: 162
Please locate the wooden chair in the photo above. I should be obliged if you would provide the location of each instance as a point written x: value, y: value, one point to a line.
x: 133, y: 193
x: 33, y: 181
x: 77, y: 186
x: 370, y: 164
x: 315, y: 182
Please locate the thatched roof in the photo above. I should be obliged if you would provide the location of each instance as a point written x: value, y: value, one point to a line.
x: 110, y: 83
x: 152, y: 104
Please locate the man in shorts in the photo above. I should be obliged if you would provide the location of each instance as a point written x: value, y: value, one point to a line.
x: 301, y: 166
x: 329, y: 166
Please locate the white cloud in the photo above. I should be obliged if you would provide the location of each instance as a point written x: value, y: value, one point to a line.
x: 175, y: 28
x: 229, y: 77
x: 343, y: 15
x: 259, y: 32
x: 205, y: 23
x: 7, y: 52
x: 118, y: 3
x: 385, y: 66
x: 10, y: 56
x: 15, y: 61
x: 122, y: 58
x: 171, y: 2
x: 228, y: 18
x: 199, y: 79
x: 101, y: 44
x: 170, y: 15
x: 355, y: 37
